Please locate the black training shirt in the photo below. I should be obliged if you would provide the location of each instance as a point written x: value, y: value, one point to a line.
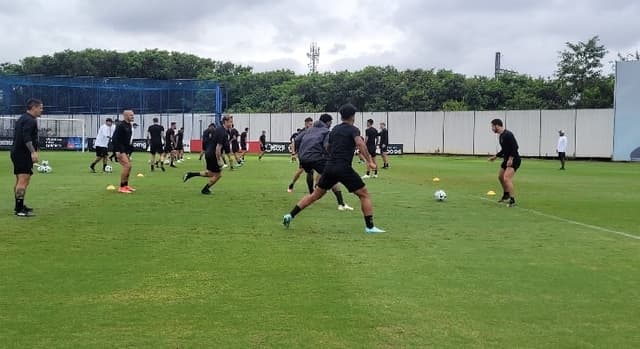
x: 169, y: 137
x: 509, y: 145
x: 342, y: 144
x: 26, y: 130
x: 122, y: 138
x: 371, y: 134
x: 243, y: 137
x: 384, y: 137
x: 155, y: 131
x: 234, y: 136
x: 263, y: 139
x: 180, y: 138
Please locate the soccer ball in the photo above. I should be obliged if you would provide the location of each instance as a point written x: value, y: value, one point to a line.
x: 47, y: 169
x: 44, y: 163
x: 108, y: 169
x: 40, y: 169
x: 440, y: 195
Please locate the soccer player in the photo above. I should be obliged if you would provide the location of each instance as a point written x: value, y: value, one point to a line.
x: 235, y: 146
x: 180, y: 145
x: 263, y: 144
x: 294, y: 146
x: 313, y: 154
x: 122, y: 146
x: 24, y: 153
x: 207, y: 136
x: 213, y: 156
x: 343, y: 140
x: 155, y: 134
x: 370, y: 139
x: 243, y: 143
x: 102, y: 144
x: 292, y: 140
x: 170, y: 144
x: 226, y: 149
x: 511, y: 160
x: 562, y: 148
x: 384, y: 144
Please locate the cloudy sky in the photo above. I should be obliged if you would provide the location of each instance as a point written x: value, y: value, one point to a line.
x: 462, y: 35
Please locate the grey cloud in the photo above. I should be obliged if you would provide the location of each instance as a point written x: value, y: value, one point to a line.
x: 337, y: 48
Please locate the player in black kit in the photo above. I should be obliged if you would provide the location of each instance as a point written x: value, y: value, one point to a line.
x: 343, y: 140
x: 213, y: 156
x: 122, y: 147
x: 263, y: 144
x: 170, y: 144
x: 370, y: 139
x: 384, y: 144
x: 154, y: 139
x: 243, y: 143
x: 511, y: 160
x: 25, y: 153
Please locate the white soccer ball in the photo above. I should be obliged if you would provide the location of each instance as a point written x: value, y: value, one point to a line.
x: 40, y: 169
x: 108, y: 169
x: 44, y: 163
x: 440, y: 195
x: 47, y: 169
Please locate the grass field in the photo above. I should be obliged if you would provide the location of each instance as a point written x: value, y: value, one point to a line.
x: 167, y: 267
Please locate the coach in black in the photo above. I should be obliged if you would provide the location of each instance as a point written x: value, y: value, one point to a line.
x: 510, y: 163
x: 343, y: 140
x: 25, y: 153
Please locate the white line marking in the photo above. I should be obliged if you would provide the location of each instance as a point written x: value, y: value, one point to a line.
x: 590, y: 226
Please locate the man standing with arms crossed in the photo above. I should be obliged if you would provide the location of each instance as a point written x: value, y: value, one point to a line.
x: 343, y: 140
x: 122, y: 147
x: 25, y: 153
x: 102, y: 144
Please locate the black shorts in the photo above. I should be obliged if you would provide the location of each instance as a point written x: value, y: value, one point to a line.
x: 516, y: 164
x: 212, y: 163
x: 562, y: 155
x: 180, y: 147
x: 263, y: 147
x: 156, y: 148
x: 383, y: 148
x: 346, y: 175
x: 102, y: 152
x: 168, y: 148
x: 309, y: 167
x: 226, y: 148
x: 22, y: 163
x: 235, y: 147
x: 372, y: 152
x: 243, y: 146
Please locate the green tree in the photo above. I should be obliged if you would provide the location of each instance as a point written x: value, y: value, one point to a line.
x: 579, y: 69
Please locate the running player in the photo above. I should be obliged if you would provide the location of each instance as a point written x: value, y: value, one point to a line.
x: 235, y: 146
x: 243, y: 143
x: 343, y: 140
x: 511, y: 161
x: 24, y: 154
x: 170, y: 144
x: 370, y: 139
x: 213, y: 156
x: 294, y: 146
x: 263, y: 144
x: 122, y: 146
x: 155, y: 134
x: 292, y: 140
x: 313, y: 154
x: 384, y: 144
x: 102, y: 145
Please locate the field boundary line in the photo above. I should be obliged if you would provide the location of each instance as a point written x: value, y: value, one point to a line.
x: 569, y: 221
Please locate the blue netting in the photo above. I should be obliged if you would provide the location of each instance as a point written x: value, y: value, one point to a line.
x: 97, y: 96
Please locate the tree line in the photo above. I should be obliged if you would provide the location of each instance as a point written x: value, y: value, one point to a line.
x: 578, y: 82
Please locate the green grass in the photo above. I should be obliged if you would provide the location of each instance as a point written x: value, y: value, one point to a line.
x: 167, y: 267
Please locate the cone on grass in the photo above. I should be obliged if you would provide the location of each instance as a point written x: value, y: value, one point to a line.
x: 491, y: 193
x: 111, y: 187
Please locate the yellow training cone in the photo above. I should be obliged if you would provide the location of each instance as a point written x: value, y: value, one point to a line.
x: 491, y: 193
x: 140, y: 175
x: 436, y: 179
x: 111, y: 187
